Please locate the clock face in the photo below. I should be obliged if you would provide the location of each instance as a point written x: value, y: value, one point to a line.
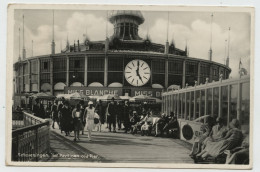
x: 137, y: 72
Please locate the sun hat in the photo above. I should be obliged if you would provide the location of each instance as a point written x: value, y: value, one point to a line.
x: 90, y: 103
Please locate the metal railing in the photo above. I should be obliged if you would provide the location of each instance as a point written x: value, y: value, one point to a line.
x: 32, y: 140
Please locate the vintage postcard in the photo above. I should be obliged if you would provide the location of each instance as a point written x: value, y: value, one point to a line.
x: 130, y: 86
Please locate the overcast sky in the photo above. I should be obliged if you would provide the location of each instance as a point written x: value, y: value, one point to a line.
x: 191, y: 26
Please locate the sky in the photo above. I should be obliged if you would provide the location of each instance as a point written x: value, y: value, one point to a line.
x: 184, y: 26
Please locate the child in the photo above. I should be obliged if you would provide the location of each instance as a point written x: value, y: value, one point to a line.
x: 97, y: 122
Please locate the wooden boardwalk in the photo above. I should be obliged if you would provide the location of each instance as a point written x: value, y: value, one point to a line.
x: 122, y: 148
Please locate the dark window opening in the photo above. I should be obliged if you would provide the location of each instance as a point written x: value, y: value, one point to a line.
x: 77, y: 64
x: 45, y: 65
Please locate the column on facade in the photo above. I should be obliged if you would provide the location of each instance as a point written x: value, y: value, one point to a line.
x: 210, y: 73
x: 29, y: 75
x: 229, y: 104
x: 184, y: 74
x: 219, y: 102
x: 199, y: 72
x: 86, y: 71
x: 22, y: 78
x: 67, y: 71
x: 105, y: 70
x: 166, y: 72
x: 39, y: 74
x: 51, y: 75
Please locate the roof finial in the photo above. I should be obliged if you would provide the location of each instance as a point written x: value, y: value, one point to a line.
x: 24, y: 51
x: 19, y: 57
x: 106, y: 24
x: 167, y: 28
x: 227, y: 62
x: 210, y: 49
x: 53, y: 42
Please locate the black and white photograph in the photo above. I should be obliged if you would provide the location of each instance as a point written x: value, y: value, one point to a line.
x: 130, y: 86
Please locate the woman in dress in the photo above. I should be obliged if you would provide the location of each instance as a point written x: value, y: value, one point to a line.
x: 206, y: 131
x: 89, y: 114
x: 66, y: 118
x: 232, y: 139
x: 76, y: 115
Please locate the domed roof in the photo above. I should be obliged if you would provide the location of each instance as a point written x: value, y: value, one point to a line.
x: 137, y: 14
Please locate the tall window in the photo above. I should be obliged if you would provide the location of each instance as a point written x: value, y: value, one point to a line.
x: 215, y: 100
x: 95, y: 64
x: 224, y: 107
x: 233, y: 101
x: 45, y: 65
x: 245, y: 105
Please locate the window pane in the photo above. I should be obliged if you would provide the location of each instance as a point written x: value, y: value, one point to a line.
x: 233, y: 102
x: 245, y: 105
x: 95, y: 64
x: 202, y: 105
x: 183, y: 105
x: 197, y: 114
x: 209, y: 102
x: 224, y: 106
x: 192, y: 105
x: 188, y: 105
x: 215, y: 101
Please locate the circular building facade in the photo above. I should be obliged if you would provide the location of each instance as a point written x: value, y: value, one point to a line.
x: 123, y: 64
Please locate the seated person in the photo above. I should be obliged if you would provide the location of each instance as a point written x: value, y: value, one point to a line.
x: 159, y: 125
x: 133, y: 120
x: 232, y: 139
x: 149, y: 120
x: 205, y: 131
x: 218, y: 132
x: 171, y: 123
x: 138, y: 125
x: 239, y: 155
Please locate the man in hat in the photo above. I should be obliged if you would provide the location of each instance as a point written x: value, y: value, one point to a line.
x: 111, y: 115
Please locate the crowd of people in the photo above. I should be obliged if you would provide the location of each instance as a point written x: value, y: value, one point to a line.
x: 117, y: 115
x: 217, y: 139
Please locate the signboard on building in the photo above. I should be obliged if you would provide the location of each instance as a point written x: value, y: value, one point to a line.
x: 100, y: 91
x: 93, y: 91
x: 146, y: 91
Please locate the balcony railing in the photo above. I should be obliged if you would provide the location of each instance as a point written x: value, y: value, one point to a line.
x: 32, y: 140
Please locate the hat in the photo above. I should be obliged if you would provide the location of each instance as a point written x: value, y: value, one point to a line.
x: 90, y: 103
x: 134, y: 111
x: 234, y: 123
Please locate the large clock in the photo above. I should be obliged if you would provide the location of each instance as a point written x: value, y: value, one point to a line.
x: 137, y: 72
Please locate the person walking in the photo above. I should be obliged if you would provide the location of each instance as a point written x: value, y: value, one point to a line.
x: 111, y: 114
x: 119, y: 115
x: 66, y: 118
x: 36, y: 108
x: 48, y: 110
x: 83, y: 118
x: 89, y: 114
x: 77, y: 122
x: 99, y: 110
x: 126, y: 118
x: 54, y: 114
